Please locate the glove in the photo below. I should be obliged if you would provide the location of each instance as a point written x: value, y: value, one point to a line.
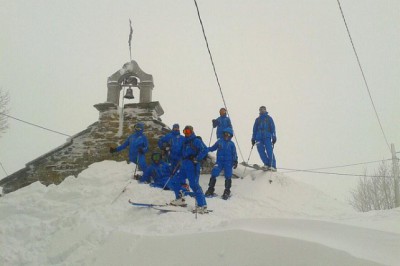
x: 273, y: 139
x: 253, y: 142
x: 215, y: 122
x: 167, y: 148
x: 112, y: 150
x: 235, y: 164
x: 140, y: 150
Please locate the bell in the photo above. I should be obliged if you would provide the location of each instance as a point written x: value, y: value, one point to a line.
x: 129, y: 94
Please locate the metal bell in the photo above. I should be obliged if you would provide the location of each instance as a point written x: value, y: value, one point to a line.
x: 129, y: 94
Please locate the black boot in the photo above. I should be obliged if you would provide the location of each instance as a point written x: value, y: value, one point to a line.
x: 211, y: 185
x: 227, y: 191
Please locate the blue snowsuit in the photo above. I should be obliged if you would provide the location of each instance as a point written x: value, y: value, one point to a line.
x: 226, y: 156
x: 173, y: 140
x: 138, y: 146
x: 264, y: 133
x: 157, y: 174
x: 193, y: 151
x: 221, y: 123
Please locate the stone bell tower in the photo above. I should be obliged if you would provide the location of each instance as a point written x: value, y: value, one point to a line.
x: 133, y: 76
x: 92, y: 145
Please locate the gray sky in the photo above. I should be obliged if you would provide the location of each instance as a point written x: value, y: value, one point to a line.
x: 294, y: 57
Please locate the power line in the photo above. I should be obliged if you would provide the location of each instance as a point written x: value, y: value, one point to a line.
x: 3, y: 169
x: 339, y: 166
x: 215, y: 71
x: 332, y: 173
x: 362, y: 72
x: 35, y: 125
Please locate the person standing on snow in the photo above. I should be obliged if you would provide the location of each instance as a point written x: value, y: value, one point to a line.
x: 138, y: 146
x: 221, y: 122
x: 264, y: 136
x: 171, y: 145
x: 226, y: 160
x: 193, y: 152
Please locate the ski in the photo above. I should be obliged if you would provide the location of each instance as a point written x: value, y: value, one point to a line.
x: 163, y: 207
x: 148, y: 205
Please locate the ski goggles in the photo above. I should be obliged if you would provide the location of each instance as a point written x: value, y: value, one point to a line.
x: 187, y: 131
x: 156, y: 157
x: 227, y: 134
x: 137, y: 128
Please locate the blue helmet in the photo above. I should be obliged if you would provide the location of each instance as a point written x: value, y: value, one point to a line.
x: 228, y: 130
x: 139, y: 126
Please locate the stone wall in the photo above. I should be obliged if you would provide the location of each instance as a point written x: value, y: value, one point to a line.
x: 92, y: 145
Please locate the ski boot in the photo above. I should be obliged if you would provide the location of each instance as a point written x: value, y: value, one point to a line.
x: 180, y: 201
x: 201, y: 210
x: 227, y: 191
x: 211, y: 185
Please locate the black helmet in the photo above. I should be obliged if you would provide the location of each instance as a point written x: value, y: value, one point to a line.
x: 156, y: 157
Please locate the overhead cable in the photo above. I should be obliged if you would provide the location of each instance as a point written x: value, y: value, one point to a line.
x: 362, y: 72
x: 215, y: 71
x: 35, y: 125
x: 339, y: 166
x: 331, y: 173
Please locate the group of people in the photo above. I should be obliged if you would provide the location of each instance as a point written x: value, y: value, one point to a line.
x: 180, y: 157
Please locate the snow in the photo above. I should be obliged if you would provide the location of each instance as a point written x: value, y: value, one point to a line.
x: 88, y: 221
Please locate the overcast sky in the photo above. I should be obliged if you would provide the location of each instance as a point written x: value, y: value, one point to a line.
x: 294, y: 57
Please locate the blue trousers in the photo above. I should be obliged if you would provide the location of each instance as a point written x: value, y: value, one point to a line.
x: 190, y: 171
x: 226, y: 166
x: 264, y: 148
x: 141, y: 161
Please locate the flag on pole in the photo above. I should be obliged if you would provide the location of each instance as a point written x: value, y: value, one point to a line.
x: 130, y: 34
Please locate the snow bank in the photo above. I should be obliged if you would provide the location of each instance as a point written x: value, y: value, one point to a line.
x: 88, y: 221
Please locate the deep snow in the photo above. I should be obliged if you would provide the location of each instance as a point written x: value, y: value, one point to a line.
x: 82, y: 221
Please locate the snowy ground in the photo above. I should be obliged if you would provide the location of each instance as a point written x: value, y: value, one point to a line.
x: 287, y: 222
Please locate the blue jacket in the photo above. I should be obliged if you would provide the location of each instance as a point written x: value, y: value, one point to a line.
x: 137, y: 142
x: 226, y: 152
x: 264, y: 128
x: 156, y: 173
x: 193, y: 148
x: 175, y: 141
x: 221, y: 123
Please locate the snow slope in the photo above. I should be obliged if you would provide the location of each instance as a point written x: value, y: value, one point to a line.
x: 88, y: 221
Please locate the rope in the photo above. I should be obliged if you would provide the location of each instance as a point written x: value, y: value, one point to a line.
x: 215, y: 71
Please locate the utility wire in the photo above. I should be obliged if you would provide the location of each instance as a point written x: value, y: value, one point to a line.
x: 35, y: 125
x: 362, y: 72
x: 331, y: 173
x: 215, y: 71
x: 339, y: 166
x: 3, y: 169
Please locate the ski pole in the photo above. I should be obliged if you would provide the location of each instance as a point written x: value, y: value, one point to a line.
x: 247, y: 163
x: 212, y: 131
x: 173, y: 173
x: 123, y: 190
x: 270, y: 175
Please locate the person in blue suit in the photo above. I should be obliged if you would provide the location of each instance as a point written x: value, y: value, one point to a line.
x: 171, y: 145
x: 226, y: 160
x: 138, y: 146
x: 193, y: 152
x: 264, y: 136
x: 222, y: 122
x: 157, y: 173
